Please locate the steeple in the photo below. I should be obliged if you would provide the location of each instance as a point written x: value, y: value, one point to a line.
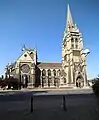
x: 69, y: 22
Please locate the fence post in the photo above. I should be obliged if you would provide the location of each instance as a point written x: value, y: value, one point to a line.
x: 64, y: 102
x: 32, y: 103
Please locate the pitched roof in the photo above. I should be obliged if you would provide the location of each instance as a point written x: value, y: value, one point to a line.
x: 49, y: 65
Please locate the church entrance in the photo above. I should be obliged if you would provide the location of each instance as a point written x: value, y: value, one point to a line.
x: 79, y: 82
x: 25, y: 80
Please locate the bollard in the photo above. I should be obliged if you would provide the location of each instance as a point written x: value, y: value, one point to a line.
x: 31, y: 103
x: 64, y: 102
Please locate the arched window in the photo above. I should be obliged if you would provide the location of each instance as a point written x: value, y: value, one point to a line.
x: 58, y: 73
x: 76, y: 43
x: 72, y: 43
x: 43, y: 72
x: 64, y: 80
x: 54, y: 72
x: 76, y: 40
x: 49, y: 72
x: 72, y: 39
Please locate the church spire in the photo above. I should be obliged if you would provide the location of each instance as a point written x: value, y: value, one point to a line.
x: 70, y: 22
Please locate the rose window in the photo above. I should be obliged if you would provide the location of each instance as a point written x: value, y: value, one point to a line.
x: 25, y: 68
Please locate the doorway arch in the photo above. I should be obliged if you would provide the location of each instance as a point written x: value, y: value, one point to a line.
x: 79, y: 81
x: 25, y: 80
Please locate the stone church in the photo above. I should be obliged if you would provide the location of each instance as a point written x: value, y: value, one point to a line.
x: 71, y: 72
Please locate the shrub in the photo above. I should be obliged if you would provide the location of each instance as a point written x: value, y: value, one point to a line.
x: 14, y: 82
x: 96, y: 87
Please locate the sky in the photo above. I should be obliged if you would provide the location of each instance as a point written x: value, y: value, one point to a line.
x: 41, y: 24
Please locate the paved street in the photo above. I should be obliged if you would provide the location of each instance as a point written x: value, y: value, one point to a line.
x: 47, y: 105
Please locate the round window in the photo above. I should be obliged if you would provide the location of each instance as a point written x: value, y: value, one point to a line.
x: 25, y: 68
x: 25, y: 55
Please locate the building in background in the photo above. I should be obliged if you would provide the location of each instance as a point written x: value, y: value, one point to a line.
x: 70, y: 73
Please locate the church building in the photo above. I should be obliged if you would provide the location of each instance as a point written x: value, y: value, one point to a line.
x: 71, y: 72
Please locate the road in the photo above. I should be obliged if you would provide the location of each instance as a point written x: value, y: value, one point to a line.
x: 81, y: 105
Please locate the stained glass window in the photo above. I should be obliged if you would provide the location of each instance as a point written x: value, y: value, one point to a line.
x: 54, y: 72
x: 25, y: 68
x: 49, y: 72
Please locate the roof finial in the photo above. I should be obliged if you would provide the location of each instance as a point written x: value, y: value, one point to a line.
x: 35, y: 47
x: 24, y: 48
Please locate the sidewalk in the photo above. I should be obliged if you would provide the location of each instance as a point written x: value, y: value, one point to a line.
x: 47, y: 89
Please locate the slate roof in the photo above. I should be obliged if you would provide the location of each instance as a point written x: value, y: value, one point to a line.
x: 49, y: 65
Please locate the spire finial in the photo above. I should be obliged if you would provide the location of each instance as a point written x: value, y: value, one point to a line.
x: 67, y: 1
x: 24, y: 48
